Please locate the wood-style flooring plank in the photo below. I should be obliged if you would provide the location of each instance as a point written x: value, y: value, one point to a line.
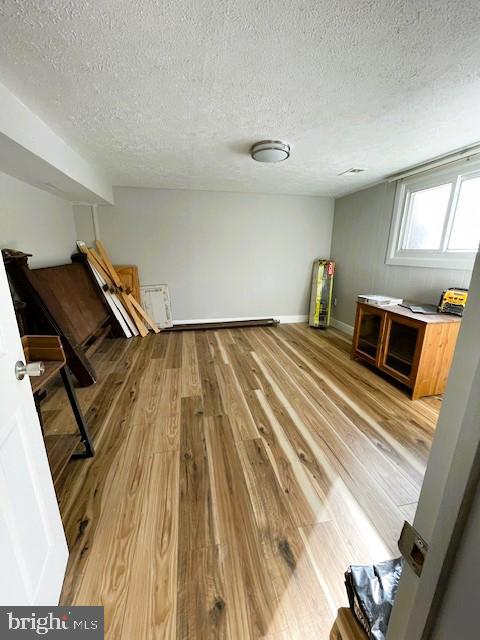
x: 212, y: 399
x: 328, y: 475
x: 173, y: 354
x: 339, y: 463
x: 103, y: 402
x: 237, y: 474
x: 86, y: 484
x: 190, y: 375
x: 299, y: 594
x: 195, y: 529
x: 234, y: 402
x: 201, y: 600
x: 111, y: 562
x: 307, y: 505
x: 330, y: 557
x: 151, y: 603
x: 372, y: 416
x: 160, y: 348
x: 385, y: 468
x: 251, y: 600
x: 387, y: 395
x: 158, y: 406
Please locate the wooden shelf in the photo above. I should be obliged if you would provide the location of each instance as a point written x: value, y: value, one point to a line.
x: 46, y: 349
x: 43, y: 348
x: 51, y: 370
x: 59, y: 451
x: 59, y: 447
x: 370, y: 341
x: 399, y: 356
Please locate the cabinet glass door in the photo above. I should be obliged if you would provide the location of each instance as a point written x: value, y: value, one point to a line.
x: 369, y: 333
x: 400, y: 347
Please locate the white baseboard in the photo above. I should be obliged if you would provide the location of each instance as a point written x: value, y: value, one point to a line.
x: 283, y: 319
x: 292, y: 319
x: 342, y: 326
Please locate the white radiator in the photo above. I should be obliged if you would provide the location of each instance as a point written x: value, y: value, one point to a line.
x: 156, y: 301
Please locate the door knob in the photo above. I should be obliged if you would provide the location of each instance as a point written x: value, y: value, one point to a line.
x: 30, y: 369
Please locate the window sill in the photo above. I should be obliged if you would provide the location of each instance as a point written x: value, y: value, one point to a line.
x: 434, y: 262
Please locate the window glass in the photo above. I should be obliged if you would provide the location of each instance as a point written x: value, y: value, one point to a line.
x: 428, y: 209
x: 466, y: 224
x: 436, y: 218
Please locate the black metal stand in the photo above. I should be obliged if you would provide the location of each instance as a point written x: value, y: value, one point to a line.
x: 37, y: 398
x: 77, y: 412
x: 85, y: 438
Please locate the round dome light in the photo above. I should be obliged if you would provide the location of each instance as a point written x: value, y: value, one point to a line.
x: 270, y: 151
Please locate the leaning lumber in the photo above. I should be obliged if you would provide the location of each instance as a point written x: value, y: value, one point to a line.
x: 106, y: 285
x: 118, y: 296
x: 132, y: 305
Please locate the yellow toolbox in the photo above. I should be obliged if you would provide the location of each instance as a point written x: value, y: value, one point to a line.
x: 453, y: 301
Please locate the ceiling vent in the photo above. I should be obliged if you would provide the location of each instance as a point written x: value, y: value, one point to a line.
x: 352, y: 172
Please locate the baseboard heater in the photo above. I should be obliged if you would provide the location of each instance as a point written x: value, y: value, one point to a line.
x: 228, y: 324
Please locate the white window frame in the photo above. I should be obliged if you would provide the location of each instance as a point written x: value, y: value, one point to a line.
x: 443, y: 258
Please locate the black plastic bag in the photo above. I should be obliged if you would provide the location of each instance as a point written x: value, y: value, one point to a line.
x: 371, y: 592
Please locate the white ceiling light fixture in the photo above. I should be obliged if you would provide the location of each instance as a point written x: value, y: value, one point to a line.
x: 270, y: 151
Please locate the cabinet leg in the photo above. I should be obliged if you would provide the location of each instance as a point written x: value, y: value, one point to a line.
x: 77, y: 412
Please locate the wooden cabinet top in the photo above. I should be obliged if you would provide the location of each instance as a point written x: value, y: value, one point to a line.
x: 433, y: 318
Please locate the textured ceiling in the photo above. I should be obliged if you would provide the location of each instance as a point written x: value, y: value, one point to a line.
x: 172, y: 93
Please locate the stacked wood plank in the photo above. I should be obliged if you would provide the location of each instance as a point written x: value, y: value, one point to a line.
x: 131, y: 316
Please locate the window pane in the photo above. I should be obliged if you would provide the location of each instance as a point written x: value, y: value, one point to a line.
x: 427, y: 216
x: 466, y: 224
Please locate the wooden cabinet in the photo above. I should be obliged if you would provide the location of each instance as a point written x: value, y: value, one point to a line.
x: 415, y: 349
x: 370, y: 323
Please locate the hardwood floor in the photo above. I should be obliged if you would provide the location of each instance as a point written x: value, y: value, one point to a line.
x: 237, y: 474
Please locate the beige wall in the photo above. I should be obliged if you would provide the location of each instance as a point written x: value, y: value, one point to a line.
x: 359, y: 245
x: 36, y: 222
x: 223, y: 255
x: 83, y: 216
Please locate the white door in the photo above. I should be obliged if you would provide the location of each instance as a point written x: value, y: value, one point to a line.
x: 449, y: 485
x: 33, y: 549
